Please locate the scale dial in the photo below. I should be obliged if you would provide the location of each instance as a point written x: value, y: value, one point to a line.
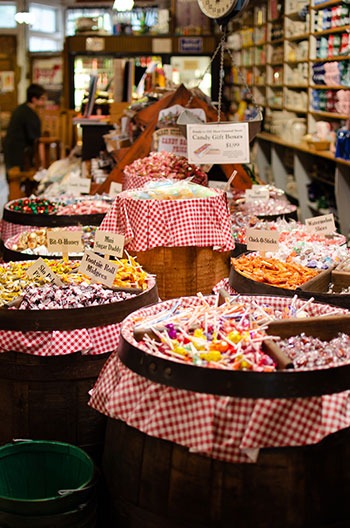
x: 222, y: 9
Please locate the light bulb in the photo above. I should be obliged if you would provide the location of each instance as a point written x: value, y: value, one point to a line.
x: 123, y: 5
x: 24, y: 17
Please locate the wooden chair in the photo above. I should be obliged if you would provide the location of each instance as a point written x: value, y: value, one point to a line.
x: 20, y: 183
x: 49, y: 145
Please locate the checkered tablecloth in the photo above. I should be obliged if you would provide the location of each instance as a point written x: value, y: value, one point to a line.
x: 9, y: 230
x: 96, y: 340
x: 133, y: 181
x: 222, y: 427
x: 146, y: 224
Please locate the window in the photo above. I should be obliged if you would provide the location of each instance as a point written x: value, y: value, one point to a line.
x: 7, y: 16
x: 46, y: 32
x: 45, y: 18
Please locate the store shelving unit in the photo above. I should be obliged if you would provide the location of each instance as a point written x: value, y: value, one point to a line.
x: 293, y: 36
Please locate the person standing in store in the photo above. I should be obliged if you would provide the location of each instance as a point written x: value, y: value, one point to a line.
x: 24, y: 129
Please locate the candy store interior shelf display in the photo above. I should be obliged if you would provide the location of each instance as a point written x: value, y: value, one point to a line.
x: 316, y: 180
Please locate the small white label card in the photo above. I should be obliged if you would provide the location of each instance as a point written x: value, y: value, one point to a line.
x: 262, y: 240
x: 257, y: 193
x: 323, y: 224
x: 218, y: 143
x: 41, y: 269
x: 98, y: 268
x: 109, y: 243
x: 78, y: 186
x: 115, y: 188
x: 64, y: 241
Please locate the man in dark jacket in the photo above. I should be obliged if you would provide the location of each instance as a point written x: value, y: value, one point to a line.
x: 24, y: 129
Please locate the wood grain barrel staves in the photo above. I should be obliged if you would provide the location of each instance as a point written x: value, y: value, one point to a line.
x: 155, y: 483
x: 46, y: 398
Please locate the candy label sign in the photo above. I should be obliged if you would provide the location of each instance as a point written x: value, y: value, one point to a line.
x: 98, y: 268
x: 63, y: 241
x: 115, y: 188
x: 257, y: 193
x: 218, y: 143
x: 262, y: 240
x: 78, y: 186
x: 109, y: 243
x: 321, y: 224
x: 41, y: 270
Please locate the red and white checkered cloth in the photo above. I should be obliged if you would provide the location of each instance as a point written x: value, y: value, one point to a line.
x: 222, y: 427
x: 96, y: 340
x: 8, y: 229
x: 133, y: 181
x: 146, y: 224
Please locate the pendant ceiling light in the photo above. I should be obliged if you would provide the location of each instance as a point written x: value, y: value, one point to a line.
x: 123, y: 5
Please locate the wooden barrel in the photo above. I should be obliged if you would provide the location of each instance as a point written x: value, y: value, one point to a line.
x: 46, y: 398
x: 183, y: 271
x: 155, y: 483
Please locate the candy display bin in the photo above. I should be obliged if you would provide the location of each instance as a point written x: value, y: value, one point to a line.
x: 186, y: 243
x: 190, y: 446
x: 49, y: 361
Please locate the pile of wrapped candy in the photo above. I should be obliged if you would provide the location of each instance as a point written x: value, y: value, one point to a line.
x: 66, y: 206
x: 228, y: 336
x: 14, y: 278
x: 165, y: 165
x: 296, y: 243
x: 85, y: 206
x: 171, y: 190
x: 50, y: 296
x: 40, y: 206
x: 312, y: 353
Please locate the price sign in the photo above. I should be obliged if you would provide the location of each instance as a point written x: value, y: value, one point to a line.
x: 323, y: 224
x: 218, y: 143
x: 262, y: 240
x: 98, y: 268
x: 109, y: 243
x: 41, y: 270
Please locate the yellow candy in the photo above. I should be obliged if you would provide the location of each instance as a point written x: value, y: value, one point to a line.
x: 213, y: 355
x: 234, y: 336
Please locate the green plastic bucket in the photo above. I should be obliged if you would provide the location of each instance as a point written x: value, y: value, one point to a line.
x: 46, y: 482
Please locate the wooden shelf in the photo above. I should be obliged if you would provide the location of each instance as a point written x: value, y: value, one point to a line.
x: 323, y: 5
x: 330, y: 31
x: 329, y: 114
x: 331, y: 59
x: 329, y: 87
x: 303, y: 147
